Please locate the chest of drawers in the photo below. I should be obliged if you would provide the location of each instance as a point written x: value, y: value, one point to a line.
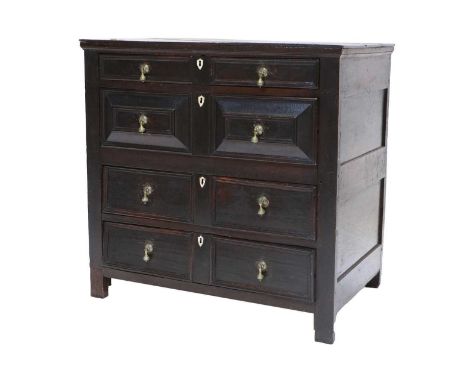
x: 253, y: 171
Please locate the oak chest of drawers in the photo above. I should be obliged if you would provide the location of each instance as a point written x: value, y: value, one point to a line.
x: 254, y: 171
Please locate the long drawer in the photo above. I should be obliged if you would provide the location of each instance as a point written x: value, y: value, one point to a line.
x: 250, y: 72
x: 246, y: 127
x: 235, y: 204
x: 213, y: 260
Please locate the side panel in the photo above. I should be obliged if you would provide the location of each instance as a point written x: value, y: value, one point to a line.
x: 325, y: 282
x: 364, y: 82
x: 93, y: 158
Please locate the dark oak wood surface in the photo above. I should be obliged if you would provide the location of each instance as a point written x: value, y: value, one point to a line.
x: 167, y: 69
x: 170, y: 198
x: 124, y: 247
x: 293, y: 73
x: 320, y: 161
x: 167, y: 120
x: 288, y: 124
x: 289, y: 270
x: 291, y: 209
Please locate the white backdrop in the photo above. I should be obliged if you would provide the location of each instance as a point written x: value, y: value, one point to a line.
x: 414, y: 326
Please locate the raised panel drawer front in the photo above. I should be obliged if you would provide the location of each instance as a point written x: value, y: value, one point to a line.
x: 293, y: 73
x: 266, y: 207
x: 148, y: 250
x: 154, y: 121
x: 264, y: 127
x: 266, y: 268
x: 148, y: 193
x: 145, y: 68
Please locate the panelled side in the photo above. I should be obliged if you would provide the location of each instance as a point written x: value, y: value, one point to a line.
x: 364, y: 84
x: 99, y: 283
x: 324, y: 317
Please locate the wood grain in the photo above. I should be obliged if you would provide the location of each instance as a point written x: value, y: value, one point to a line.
x: 321, y: 163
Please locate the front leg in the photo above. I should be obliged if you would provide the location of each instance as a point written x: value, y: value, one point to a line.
x: 324, y: 329
x: 99, y: 283
x: 374, y: 282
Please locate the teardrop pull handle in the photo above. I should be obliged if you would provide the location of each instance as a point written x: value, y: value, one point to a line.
x: 257, y: 131
x: 144, y: 70
x: 148, y: 250
x: 147, y: 191
x: 261, y: 269
x: 142, y: 120
x: 263, y: 204
x: 262, y: 74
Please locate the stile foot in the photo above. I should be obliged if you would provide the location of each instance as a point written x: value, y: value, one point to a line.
x: 374, y: 282
x: 326, y: 337
x: 99, y: 283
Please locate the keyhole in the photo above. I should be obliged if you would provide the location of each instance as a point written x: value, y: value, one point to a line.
x: 200, y: 241
x: 202, y: 181
x: 201, y: 100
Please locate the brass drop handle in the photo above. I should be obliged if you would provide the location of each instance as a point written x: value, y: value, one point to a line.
x: 263, y: 203
x: 261, y: 269
x: 144, y: 69
x: 147, y: 191
x: 257, y: 131
x: 148, y: 252
x: 142, y: 120
x: 262, y: 74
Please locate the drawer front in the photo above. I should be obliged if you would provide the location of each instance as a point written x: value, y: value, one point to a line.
x: 148, y: 250
x: 266, y: 268
x: 294, y: 73
x: 154, y: 121
x: 265, y: 128
x: 265, y: 207
x: 145, y: 68
x: 148, y: 193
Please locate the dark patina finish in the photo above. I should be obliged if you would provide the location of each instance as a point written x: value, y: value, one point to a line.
x: 248, y: 170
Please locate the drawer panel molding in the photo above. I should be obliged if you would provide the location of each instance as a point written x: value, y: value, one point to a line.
x: 297, y: 73
x: 145, y: 68
x: 265, y: 128
x: 148, y: 193
x: 148, y: 250
x: 149, y: 121
x: 264, y: 207
x: 265, y: 268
